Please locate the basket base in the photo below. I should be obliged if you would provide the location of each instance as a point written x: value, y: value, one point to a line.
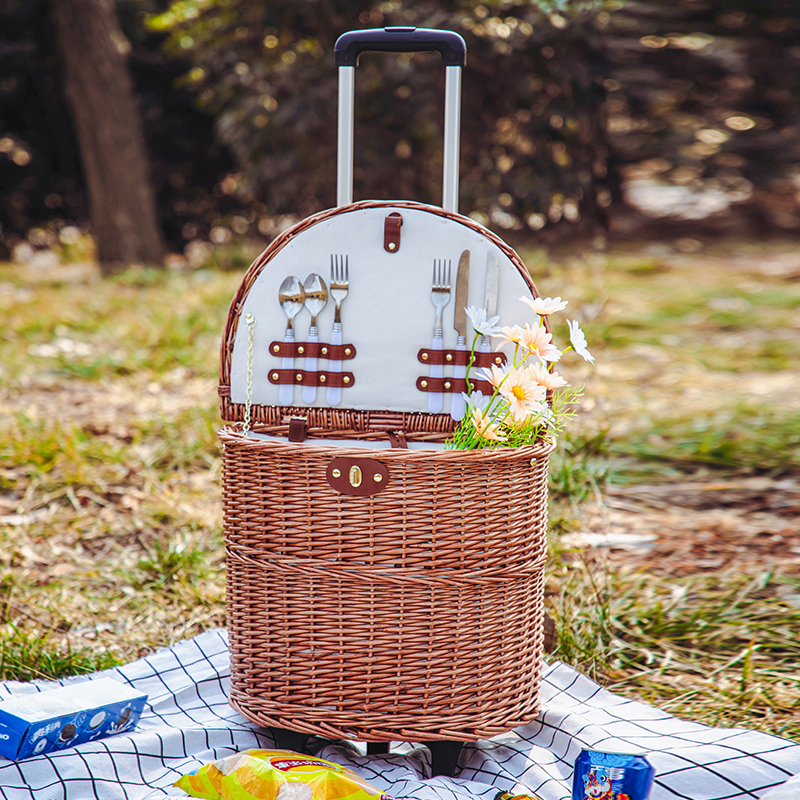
x: 422, y: 729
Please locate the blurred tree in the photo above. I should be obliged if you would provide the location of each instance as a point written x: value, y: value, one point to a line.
x: 99, y: 91
x: 704, y: 111
x: 41, y: 175
x: 533, y: 142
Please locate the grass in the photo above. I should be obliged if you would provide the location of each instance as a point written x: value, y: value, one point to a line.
x: 720, y: 650
x: 110, y: 506
x: 745, y: 439
x: 28, y: 656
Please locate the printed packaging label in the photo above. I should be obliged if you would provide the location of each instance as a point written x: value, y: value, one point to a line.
x: 41, y: 722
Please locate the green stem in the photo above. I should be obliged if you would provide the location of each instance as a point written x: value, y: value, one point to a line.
x: 471, y: 362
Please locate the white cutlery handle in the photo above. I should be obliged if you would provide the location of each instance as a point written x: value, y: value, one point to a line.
x: 334, y: 395
x: 436, y: 399
x: 457, y: 403
x: 286, y: 390
x: 310, y: 392
x: 485, y: 344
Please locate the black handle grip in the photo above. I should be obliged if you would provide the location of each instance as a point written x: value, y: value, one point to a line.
x: 350, y: 45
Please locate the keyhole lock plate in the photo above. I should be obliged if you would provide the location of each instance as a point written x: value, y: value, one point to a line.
x: 357, y: 476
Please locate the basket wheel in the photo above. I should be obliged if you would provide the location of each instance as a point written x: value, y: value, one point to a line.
x: 444, y: 755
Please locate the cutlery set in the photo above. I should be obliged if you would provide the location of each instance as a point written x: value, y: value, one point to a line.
x: 313, y: 295
x: 436, y: 384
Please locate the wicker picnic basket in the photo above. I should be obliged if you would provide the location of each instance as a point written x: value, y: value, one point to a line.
x: 379, y: 587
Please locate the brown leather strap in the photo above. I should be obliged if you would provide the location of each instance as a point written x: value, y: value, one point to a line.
x: 398, y: 440
x: 333, y: 352
x: 391, y: 232
x: 300, y: 377
x: 453, y: 385
x: 298, y: 431
x: 460, y: 357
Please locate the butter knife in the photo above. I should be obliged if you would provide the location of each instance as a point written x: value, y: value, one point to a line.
x: 490, y: 294
x: 457, y: 404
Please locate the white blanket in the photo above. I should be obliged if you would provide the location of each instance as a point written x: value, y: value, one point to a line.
x: 188, y: 722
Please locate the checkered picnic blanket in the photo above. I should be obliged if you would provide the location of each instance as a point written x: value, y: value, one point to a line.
x: 188, y: 722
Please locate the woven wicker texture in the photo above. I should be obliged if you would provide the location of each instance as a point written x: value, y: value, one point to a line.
x: 413, y: 614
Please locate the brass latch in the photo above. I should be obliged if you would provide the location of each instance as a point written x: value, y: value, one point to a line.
x: 357, y: 476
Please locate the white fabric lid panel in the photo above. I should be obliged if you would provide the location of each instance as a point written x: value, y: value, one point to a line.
x: 388, y: 314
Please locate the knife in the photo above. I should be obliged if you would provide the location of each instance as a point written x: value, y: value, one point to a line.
x: 490, y: 295
x: 457, y: 404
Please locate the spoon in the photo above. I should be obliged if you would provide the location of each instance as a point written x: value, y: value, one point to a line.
x: 291, y: 297
x: 316, y: 298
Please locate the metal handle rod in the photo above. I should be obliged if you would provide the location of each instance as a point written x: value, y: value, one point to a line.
x: 344, y: 149
x: 452, y: 125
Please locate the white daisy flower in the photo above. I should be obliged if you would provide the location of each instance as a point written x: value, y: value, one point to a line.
x: 483, y: 326
x: 544, y: 306
x: 578, y: 340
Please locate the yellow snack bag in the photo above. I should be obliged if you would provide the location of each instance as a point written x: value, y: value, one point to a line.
x: 277, y: 775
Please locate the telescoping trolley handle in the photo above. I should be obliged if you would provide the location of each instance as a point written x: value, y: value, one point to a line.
x: 400, y: 40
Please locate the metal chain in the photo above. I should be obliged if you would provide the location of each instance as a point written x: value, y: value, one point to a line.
x: 251, y: 324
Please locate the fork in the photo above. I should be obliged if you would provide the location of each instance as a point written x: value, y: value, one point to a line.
x: 440, y: 297
x: 338, y: 287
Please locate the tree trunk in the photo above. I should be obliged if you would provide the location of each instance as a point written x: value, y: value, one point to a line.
x: 100, y: 94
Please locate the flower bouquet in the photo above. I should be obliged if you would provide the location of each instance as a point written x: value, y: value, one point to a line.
x: 529, y: 398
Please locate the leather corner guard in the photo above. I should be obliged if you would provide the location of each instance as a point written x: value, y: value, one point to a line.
x: 391, y: 232
x: 453, y: 385
x: 333, y: 352
x: 460, y: 357
x: 357, y: 476
x: 300, y: 377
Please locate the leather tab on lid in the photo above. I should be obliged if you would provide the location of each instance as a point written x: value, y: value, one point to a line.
x: 398, y: 439
x: 297, y: 429
x: 391, y: 232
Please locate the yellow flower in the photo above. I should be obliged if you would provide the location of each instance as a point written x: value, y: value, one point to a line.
x: 493, y: 374
x: 534, y: 411
x: 521, y: 392
x: 535, y: 340
x: 485, y: 428
x: 543, y: 376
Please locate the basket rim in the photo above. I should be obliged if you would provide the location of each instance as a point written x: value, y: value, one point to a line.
x: 233, y: 436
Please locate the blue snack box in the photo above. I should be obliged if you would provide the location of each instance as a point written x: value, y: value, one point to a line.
x: 32, y: 724
x: 611, y: 776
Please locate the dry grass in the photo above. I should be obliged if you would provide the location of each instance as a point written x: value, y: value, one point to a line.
x: 110, y: 514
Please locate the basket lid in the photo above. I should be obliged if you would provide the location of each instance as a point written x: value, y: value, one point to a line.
x: 382, y: 372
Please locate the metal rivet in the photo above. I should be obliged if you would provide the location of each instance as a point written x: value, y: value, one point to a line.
x: 377, y: 478
x: 301, y: 349
x: 322, y: 379
x: 392, y: 246
x: 447, y: 384
x: 275, y: 376
x: 345, y: 379
x: 324, y: 351
x: 347, y: 351
x: 276, y: 349
x: 337, y: 473
x: 424, y: 356
x: 498, y: 360
x: 423, y: 384
x: 299, y: 376
x: 449, y: 357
